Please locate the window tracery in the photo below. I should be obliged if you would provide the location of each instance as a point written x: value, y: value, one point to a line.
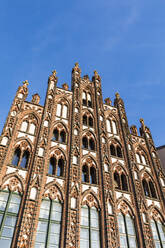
x: 29, y: 124
x: 21, y: 157
x: 115, y: 150
x: 148, y: 187
x: 141, y: 157
x: 88, y: 142
x: 59, y: 134
x: 89, y: 174
x: 120, y: 179
x: 62, y: 109
x: 87, y: 99
x: 111, y: 126
x: 57, y: 164
x: 87, y: 120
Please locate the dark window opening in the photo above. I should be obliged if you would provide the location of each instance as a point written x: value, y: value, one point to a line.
x: 85, y: 142
x: 52, y: 166
x: 89, y: 104
x: 90, y: 122
x: 84, y: 120
x: 60, y: 168
x: 63, y: 137
x: 112, y: 150
x: 25, y: 159
x: 145, y: 188
x: 16, y: 157
x: 119, y: 152
x: 117, y: 180
x: 85, y: 174
x: 124, y: 182
x: 55, y: 135
x: 91, y: 144
x: 93, y: 175
x: 152, y: 190
x: 84, y: 102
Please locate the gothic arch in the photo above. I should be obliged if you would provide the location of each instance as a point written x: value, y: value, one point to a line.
x: 14, y: 182
x: 91, y: 161
x: 154, y: 212
x: 53, y: 190
x: 124, y: 206
x: 90, y: 199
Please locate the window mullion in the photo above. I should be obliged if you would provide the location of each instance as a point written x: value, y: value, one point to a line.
x: 5, y: 213
x: 158, y: 234
x: 89, y: 221
x: 126, y: 231
x: 49, y: 222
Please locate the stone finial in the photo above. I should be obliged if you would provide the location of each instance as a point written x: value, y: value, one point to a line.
x: 108, y: 101
x: 25, y: 83
x: 53, y: 77
x: 133, y: 129
x: 76, y: 68
x: 54, y: 73
x: 35, y: 99
x: 117, y: 95
x: 65, y: 86
x: 142, y: 122
x: 96, y: 75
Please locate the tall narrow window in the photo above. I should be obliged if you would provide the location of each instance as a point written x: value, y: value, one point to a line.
x: 144, y: 160
x: 58, y: 111
x: 49, y: 225
x: 89, y: 100
x: 63, y: 137
x: 52, y: 166
x: 138, y: 158
x: 84, y: 120
x: 108, y: 126
x: 32, y: 128
x: 145, y: 188
x: 93, y: 175
x: 114, y: 127
x: 84, y: 98
x: 90, y: 120
x: 25, y: 159
x: 65, y: 111
x: 127, y: 231
x: 85, y: 143
x: 85, y: 174
x: 119, y: 152
x: 91, y: 144
x: 24, y: 126
x: 16, y: 157
x: 124, y: 182
x: 60, y: 168
x: 152, y: 189
x: 117, y: 180
x: 158, y: 231
x: 55, y: 135
x: 112, y: 150
x: 90, y: 232
x: 9, y: 208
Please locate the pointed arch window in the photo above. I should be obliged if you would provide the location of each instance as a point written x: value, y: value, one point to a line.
x: 84, y: 98
x: 60, y: 168
x: 149, y: 188
x: 24, y: 126
x: 59, y: 136
x: 126, y: 231
x: 158, y: 231
x: 90, y: 228
x: 93, y: 175
x: 32, y: 128
x: 152, y: 189
x: 25, y: 159
x: 49, y: 225
x: 138, y: 158
x: 117, y: 180
x: 85, y: 174
x: 112, y: 150
x: 109, y: 129
x: 9, y: 209
x: 124, y: 182
x: 16, y: 157
x: 91, y: 144
x: 85, y: 142
x: 90, y: 121
x: 52, y: 165
x: 62, y: 136
x: 55, y: 135
x: 120, y: 181
x: 58, y: 110
x: 119, y: 152
x: 145, y: 188
x: 89, y: 100
x: 114, y: 127
x: 85, y: 120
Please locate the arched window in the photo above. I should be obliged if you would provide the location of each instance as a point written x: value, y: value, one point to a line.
x: 126, y: 231
x: 16, y: 157
x: 91, y: 144
x: 93, y: 175
x: 89, y: 100
x: 55, y: 135
x: 63, y: 137
x: 143, y: 160
x: 84, y: 98
x: 117, y: 180
x: 158, y: 231
x: 112, y: 150
x: 114, y: 127
x: 124, y: 182
x: 119, y: 152
x: 109, y: 130
x: 52, y: 165
x: 152, y: 189
x: 65, y: 111
x: 60, y: 168
x: 138, y: 158
x: 9, y: 209
x: 145, y: 188
x: 84, y: 120
x: 25, y: 159
x: 24, y: 126
x: 85, y: 174
x: 90, y: 120
x: 85, y: 143
x: 90, y: 228
x: 49, y: 225
x: 58, y: 110
x: 32, y: 128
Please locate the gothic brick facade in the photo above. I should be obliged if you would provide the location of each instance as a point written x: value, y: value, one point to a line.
x: 73, y: 171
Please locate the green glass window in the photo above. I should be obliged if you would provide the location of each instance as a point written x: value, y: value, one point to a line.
x: 9, y: 208
x: 158, y: 231
x: 90, y: 233
x: 127, y: 231
x: 49, y: 225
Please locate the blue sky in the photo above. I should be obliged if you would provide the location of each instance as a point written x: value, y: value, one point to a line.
x: 123, y: 40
